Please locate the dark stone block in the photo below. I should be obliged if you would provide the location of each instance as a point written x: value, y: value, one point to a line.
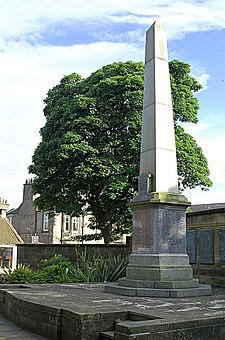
x: 207, y: 246
x: 191, y: 245
x: 222, y: 245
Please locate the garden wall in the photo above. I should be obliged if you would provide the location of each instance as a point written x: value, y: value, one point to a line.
x: 32, y: 254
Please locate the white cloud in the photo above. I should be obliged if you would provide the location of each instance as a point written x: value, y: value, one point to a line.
x: 210, y: 146
x: 30, y: 17
x: 203, y: 80
x: 200, y: 74
x: 195, y: 129
x: 28, y: 69
x: 25, y: 77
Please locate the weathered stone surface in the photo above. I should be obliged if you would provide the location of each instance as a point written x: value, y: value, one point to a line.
x: 135, y: 283
x: 36, y: 318
x: 177, y: 284
x: 160, y: 273
x: 207, y: 219
x: 183, y: 331
x: 32, y: 254
x: 207, y: 246
x: 86, y: 309
x: 191, y: 245
x: 159, y: 228
x: 158, y: 284
x: 222, y: 245
x: 158, y: 143
x: 164, y: 260
x: 200, y: 290
x: 9, y: 330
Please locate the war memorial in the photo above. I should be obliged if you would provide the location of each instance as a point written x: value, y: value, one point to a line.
x: 158, y: 299
x: 159, y: 264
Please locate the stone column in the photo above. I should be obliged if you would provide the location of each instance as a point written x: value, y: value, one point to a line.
x: 158, y: 265
x: 158, y: 151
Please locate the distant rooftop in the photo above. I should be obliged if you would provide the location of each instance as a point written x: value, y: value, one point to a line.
x: 8, y: 235
x: 209, y: 206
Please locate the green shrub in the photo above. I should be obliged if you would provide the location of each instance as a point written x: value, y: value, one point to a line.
x: 92, y: 268
x: 52, y: 274
x: 58, y: 260
x: 55, y: 270
x: 96, y: 268
x: 23, y: 274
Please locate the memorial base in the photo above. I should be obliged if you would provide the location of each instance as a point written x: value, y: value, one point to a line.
x: 201, y: 290
x: 159, y: 275
x: 159, y: 265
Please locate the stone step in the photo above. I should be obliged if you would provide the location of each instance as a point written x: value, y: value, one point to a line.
x: 107, y: 335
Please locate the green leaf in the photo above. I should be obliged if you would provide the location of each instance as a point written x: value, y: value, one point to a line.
x: 89, y: 153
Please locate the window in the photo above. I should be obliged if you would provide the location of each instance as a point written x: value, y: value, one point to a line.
x: 66, y: 223
x: 75, y: 224
x: 45, y: 222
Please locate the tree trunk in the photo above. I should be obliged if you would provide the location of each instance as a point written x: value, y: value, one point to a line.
x: 106, y: 234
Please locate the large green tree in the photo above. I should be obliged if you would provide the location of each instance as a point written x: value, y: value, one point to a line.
x: 88, y: 159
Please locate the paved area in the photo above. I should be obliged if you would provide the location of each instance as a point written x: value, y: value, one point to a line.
x: 10, y: 331
x: 91, y: 298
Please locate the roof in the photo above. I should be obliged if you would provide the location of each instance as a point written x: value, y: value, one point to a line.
x: 8, y: 234
x: 204, y: 207
x: 12, y: 211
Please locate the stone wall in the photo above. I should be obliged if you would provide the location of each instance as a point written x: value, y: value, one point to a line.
x: 32, y: 254
x: 206, y: 245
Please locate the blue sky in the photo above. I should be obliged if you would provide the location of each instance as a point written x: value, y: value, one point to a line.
x: 43, y: 40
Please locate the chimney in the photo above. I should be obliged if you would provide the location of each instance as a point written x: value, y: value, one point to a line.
x: 27, y: 190
x: 3, y: 207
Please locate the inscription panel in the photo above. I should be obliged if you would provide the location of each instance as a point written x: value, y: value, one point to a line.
x: 142, y: 235
x: 191, y: 245
x: 207, y: 246
x: 171, y: 231
x: 222, y: 245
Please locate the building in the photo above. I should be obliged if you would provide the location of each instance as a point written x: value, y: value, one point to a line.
x: 9, y: 238
x: 206, y: 242
x: 36, y: 226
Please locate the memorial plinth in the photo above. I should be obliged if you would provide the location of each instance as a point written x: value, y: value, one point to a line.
x: 159, y: 264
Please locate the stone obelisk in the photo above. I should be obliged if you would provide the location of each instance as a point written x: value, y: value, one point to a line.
x: 158, y: 265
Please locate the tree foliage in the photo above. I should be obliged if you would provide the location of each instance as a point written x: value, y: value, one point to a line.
x: 192, y: 165
x: 88, y: 159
